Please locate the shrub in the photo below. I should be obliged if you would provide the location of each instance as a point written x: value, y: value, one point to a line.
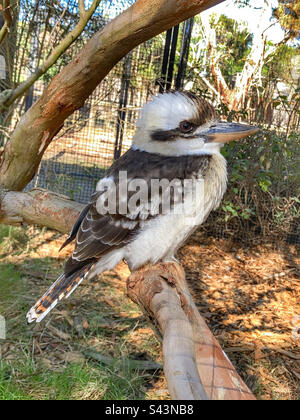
x: 263, y: 188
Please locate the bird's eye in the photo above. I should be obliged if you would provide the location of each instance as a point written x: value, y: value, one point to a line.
x: 186, y: 126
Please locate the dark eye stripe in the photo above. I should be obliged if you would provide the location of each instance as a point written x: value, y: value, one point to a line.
x: 169, y: 135
x: 164, y: 135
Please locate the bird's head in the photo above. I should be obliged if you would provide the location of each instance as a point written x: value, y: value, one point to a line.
x: 181, y: 123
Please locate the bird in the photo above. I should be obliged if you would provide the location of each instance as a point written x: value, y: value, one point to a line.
x: 179, y: 136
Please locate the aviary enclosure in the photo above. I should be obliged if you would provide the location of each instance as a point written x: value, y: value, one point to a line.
x: 74, y: 76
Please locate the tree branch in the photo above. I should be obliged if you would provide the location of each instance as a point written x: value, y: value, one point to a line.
x: 7, y: 12
x: 8, y: 20
x: 3, y: 32
x: 81, y: 7
x: 251, y: 66
x: 194, y: 363
x: 219, y: 81
x: 7, y: 97
x: 39, y: 207
x: 73, y: 85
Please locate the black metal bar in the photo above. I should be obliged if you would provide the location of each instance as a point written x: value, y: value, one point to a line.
x: 184, y: 52
x: 164, y: 69
x: 122, y: 105
x: 29, y: 98
x: 172, y: 57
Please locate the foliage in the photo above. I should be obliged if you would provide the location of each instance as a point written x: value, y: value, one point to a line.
x: 239, y: 88
x: 288, y: 15
x: 234, y: 42
x: 280, y: 64
x: 264, y: 188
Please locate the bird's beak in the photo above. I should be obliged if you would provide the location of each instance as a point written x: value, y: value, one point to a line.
x: 224, y: 132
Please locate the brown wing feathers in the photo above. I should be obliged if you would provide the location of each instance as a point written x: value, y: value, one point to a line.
x: 75, y: 228
x: 98, y: 234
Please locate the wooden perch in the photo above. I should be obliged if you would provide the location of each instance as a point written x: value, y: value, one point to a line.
x: 194, y: 364
x: 39, y: 207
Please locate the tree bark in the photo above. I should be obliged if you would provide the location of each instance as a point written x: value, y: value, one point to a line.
x: 72, y: 86
x: 235, y: 98
x: 194, y: 364
x: 39, y: 207
x: 8, y: 20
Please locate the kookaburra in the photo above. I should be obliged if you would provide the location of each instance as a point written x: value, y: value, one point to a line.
x: 179, y: 136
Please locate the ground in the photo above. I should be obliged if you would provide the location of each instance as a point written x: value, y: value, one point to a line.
x: 97, y: 345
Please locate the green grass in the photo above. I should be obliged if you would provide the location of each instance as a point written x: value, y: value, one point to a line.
x: 27, y: 381
x: 10, y: 284
x: 12, y: 239
x: 33, y: 364
x: 4, y: 232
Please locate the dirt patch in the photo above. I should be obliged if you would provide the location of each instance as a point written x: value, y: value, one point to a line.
x: 250, y: 298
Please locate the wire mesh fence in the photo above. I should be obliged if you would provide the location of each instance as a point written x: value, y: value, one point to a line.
x: 103, y: 128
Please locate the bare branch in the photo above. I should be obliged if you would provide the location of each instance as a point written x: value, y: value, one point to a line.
x: 210, y: 86
x: 3, y: 32
x: 191, y: 353
x: 214, y: 58
x: 51, y: 37
x: 7, y: 99
x: 39, y: 207
x: 81, y: 8
x: 7, y: 12
x: 205, y: 80
x: 8, y: 20
x: 250, y: 69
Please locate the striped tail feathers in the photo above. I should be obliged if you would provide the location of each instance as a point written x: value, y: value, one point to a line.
x: 63, y: 287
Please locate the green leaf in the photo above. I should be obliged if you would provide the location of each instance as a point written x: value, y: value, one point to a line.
x: 265, y: 184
